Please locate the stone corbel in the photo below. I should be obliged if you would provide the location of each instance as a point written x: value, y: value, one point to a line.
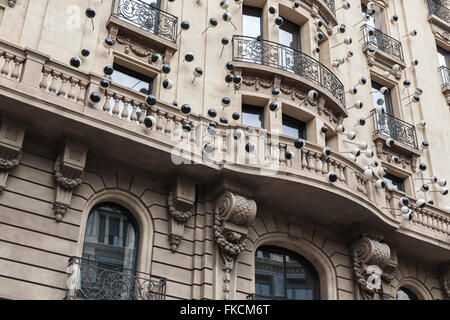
x: 373, y: 267
x: 11, y: 140
x: 232, y: 216
x: 181, y: 202
x: 69, y: 171
x: 445, y: 278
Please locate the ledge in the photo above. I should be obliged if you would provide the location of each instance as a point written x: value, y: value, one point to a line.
x: 383, y: 60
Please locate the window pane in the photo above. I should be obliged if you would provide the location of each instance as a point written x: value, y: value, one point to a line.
x: 253, y: 116
x: 375, y: 19
x: 280, y: 274
x: 406, y: 294
x: 293, y: 127
x: 394, y: 182
x: 131, y: 79
x: 290, y: 34
x: 251, y: 22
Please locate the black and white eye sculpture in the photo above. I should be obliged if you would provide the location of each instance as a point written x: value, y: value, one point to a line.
x: 342, y: 28
x: 289, y: 155
x: 421, y: 203
x: 165, y: 68
x: 276, y: 92
x: 185, y: 25
x: 412, y: 33
x: 186, y: 108
x: 198, y: 72
x: 167, y: 84
x: 390, y: 142
x: 351, y: 135
x: 296, y: 4
x: 272, y: 10
x: 237, y: 79
x: 274, y: 106
x: 346, y: 5
x: 108, y: 70
x: 229, y: 78
x: 95, y: 97
x: 332, y: 176
x: 326, y: 151
x: 236, y: 116
x: 404, y: 201
x: 229, y: 66
x: 238, y: 133
x: 319, y: 35
x: 299, y: 143
x: 224, y: 4
x: 226, y: 102
x: 212, y: 23
x: 227, y: 18
x: 380, y: 184
x: 105, y: 84
x: 425, y: 144
x: 340, y: 129
x: 225, y: 41
x: 211, y: 130
x: 212, y: 113
x: 394, y: 18
x: 318, y: 23
x: 189, y: 57
x: 156, y: 58
x: 324, y: 129
x: 186, y: 127
x: 223, y: 120
x: 75, y: 62
x: 108, y: 44
x: 150, y: 100
x: 422, y: 166
x: 208, y: 147
x: 313, y: 95
x: 442, y: 182
x: 250, y: 147
x: 278, y: 21
x: 90, y: 14
x: 369, y: 153
x: 150, y: 122
x: 85, y: 53
x: 396, y: 159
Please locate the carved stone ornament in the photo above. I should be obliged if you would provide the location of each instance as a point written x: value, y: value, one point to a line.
x: 445, y: 279
x: 11, y: 140
x: 69, y: 172
x: 370, y: 258
x: 386, y: 154
x: 232, y: 216
x: 138, y: 48
x: 181, y: 202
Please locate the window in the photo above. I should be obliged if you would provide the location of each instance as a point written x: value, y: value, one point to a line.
x: 395, y: 182
x: 444, y: 57
x: 253, y: 116
x: 283, y: 274
x: 132, y: 79
x: 110, y: 249
x: 375, y: 19
x: 290, y: 35
x: 405, y: 294
x: 252, y: 22
x: 293, y: 127
x: 379, y: 97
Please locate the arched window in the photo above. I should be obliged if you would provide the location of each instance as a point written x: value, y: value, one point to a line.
x: 405, y: 294
x: 283, y: 274
x: 109, y: 254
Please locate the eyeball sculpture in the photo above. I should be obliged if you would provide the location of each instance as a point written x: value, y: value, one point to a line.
x: 150, y: 100
x: 236, y: 116
x: 351, y: 135
x: 250, y: 147
x: 380, y: 184
x: 421, y: 203
x: 165, y: 68
x: 167, y: 84
x: 75, y: 62
x: 156, y: 58
x: 369, y: 153
x: 226, y: 101
x: 150, y: 122
x: 187, y: 127
x: 272, y: 10
x: 105, y: 84
x: 289, y: 155
x: 425, y: 144
x: 238, y: 133
x: 186, y: 109
x: 363, y: 145
x: 394, y: 18
x: 368, y: 173
x: 319, y: 36
x: 208, y: 147
x: 95, y: 97
x: 299, y: 143
x: 358, y: 104
x: 422, y: 167
x: 85, y: 52
x: 395, y: 159
x: 276, y: 92
x: 279, y: 21
x: 313, y: 95
x: 442, y: 182
x: 332, y: 176
x: 342, y: 28
x: 274, y: 106
x: 212, y: 113
x: 404, y: 201
x: 396, y: 67
x: 326, y: 151
x: 390, y: 142
x: 340, y: 128
x: 424, y: 187
x: 189, y: 57
x: 324, y: 129
x: 318, y: 23
x: 407, y: 216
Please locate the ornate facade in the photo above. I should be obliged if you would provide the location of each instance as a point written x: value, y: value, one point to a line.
x: 256, y: 149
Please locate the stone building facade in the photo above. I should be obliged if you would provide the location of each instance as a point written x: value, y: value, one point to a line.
x: 120, y: 187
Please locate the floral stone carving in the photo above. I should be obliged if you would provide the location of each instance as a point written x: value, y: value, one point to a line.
x: 232, y: 217
x: 370, y: 261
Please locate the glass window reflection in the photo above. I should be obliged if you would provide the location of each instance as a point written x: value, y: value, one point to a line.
x: 253, y: 116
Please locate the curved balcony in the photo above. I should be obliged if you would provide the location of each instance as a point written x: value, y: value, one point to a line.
x: 438, y: 10
x: 59, y: 94
x: 307, y: 71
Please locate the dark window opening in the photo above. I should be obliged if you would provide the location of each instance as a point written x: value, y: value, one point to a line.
x: 294, y: 127
x: 252, y: 116
x: 132, y: 79
x: 395, y: 182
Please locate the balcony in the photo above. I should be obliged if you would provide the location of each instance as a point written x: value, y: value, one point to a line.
x: 92, y: 280
x: 445, y: 87
x: 41, y: 91
x: 389, y: 51
x: 438, y: 14
x: 396, y: 129
x: 331, y: 5
x: 134, y: 23
x: 265, y: 56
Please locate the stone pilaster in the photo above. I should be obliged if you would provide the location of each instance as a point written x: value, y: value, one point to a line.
x: 69, y: 171
x: 11, y: 140
x: 181, y: 202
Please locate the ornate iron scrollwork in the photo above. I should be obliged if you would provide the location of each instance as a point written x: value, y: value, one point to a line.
x: 254, y: 50
x: 148, y: 18
x: 396, y: 129
x: 383, y: 42
x: 439, y: 10
x: 330, y: 4
x: 100, y: 281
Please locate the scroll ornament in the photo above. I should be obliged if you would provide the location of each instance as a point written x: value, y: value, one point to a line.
x: 180, y: 211
x: 370, y: 258
x: 233, y: 215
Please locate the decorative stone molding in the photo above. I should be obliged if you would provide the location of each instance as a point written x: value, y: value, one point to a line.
x: 181, y: 202
x: 232, y: 216
x: 386, y: 154
x: 69, y: 172
x: 372, y: 268
x: 11, y: 141
x: 445, y: 278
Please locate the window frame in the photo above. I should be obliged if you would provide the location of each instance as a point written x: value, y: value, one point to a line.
x: 134, y: 74
x: 388, y: 101
x: 260, y: 16
x: 301, y: 129
x: 261, y: 112
x: 396, y: 180
x: 308, y: 266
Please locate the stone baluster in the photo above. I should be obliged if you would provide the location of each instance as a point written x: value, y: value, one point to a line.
x: 126, y: 103
x: 303, y: 155
x: 44, y: 82
x: 159, y: 121
x: 16, y: 72
x: 325, y: 161
x: 6, y: 66
x: 143, y: 115
x: 224, y: 143
x: 178, y: 130
x: 54, y: 83
x: 168, y: 128
x: 318, y: 161
x: 282, y: 155
x: 274, y: 152
x: 63, y: 88
x: 116, y: 109
x: 192, y: 133
x: 107, y: 105
x: 73, y: 87
x: 134, y: 106
x: 82, y: 94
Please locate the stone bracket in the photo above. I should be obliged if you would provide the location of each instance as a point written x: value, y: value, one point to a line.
x: 11, y: 141
x: 181, y: 202
x: 232, y: 216
x: 69, y: 171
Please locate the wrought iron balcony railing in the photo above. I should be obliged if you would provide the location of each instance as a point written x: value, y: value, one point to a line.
x: 92, y: 280
x: 396, y: 129
x: 268, y: 53
x: 445, y: 74
x: 382, y: 41
x: 331, y: 5
x: 147, y: 17
x: 439, y: 10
